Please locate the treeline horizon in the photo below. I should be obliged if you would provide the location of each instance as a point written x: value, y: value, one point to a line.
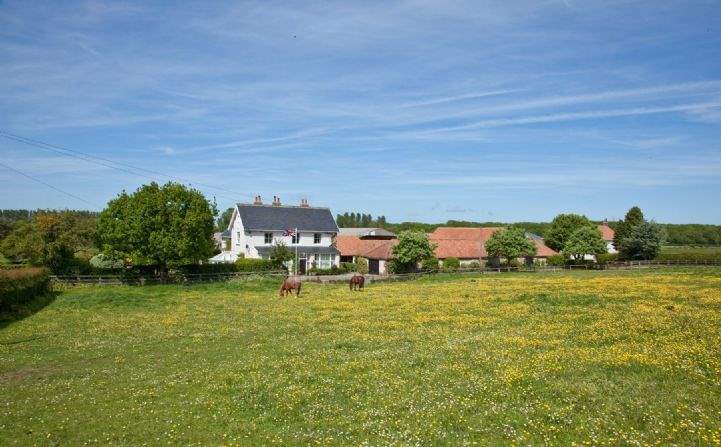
x: 677, y: 234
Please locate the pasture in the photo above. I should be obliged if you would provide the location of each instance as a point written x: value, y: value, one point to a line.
x: 602, y: 358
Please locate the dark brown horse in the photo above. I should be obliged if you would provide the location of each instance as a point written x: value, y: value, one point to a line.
x: 289, y: 285
x: 356, y: 282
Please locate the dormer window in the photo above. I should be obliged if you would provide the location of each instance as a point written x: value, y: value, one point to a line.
x: 268, y: 238
x: 316, y: 238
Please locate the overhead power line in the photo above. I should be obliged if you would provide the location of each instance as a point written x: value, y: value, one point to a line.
x: 48, y: 185
x: 124, y: 167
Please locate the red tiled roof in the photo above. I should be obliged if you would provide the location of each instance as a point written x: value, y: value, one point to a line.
x: 542, y: 250
x: 382, y: 251
x: 469, y: 243
x: 459, y: 248
x: 607, y: 232
x: 367, y: 248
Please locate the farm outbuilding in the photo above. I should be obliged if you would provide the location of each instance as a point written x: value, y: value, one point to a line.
x: 374, y: 244
x: 468, y: 245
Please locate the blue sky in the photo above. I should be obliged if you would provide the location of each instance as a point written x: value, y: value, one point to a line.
x: 418, y: 110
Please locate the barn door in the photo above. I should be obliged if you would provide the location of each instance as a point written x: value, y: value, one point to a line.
x: 373, y: 266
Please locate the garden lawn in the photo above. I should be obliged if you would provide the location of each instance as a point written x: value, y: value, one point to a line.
x: 615, y: 358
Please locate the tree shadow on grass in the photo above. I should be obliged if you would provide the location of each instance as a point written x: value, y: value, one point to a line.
x: 18, y: 312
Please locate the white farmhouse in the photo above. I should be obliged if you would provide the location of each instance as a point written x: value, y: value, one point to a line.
x: 255, y: 228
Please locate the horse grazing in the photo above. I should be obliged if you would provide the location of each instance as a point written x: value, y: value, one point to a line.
x: 356, y: 282
x: 289, y: 285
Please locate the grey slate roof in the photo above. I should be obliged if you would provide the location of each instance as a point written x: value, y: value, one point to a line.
x: 303, y: 249
x: 279, y: 218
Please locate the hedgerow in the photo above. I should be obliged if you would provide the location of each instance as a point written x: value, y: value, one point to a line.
x: 18, y: 286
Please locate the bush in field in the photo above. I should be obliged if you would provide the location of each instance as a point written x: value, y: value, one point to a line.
x: 361, y: 265
x: 430, y: 264
x: 346, y: 267
x: 256, y: 265
x: 606, y: 258
x: 161, y: 226
x: 451, y: 264
x: 474, y: 265
x: 556, y: 260
x: 18, y: 286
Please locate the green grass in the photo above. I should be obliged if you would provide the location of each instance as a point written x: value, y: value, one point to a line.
x: 674, y: 249
x: 605, y: 358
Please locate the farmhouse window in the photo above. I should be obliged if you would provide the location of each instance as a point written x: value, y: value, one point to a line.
x: 296, y: 238
x: 316, y: 238
x: 324, y: 261
x: 237, y: 238
x: 268, y: 238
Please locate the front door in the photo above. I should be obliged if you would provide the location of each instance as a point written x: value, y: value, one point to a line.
x: 373, y: 266
x: 301, y: 266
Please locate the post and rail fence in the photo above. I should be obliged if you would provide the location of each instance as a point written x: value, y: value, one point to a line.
x: 192, y: 278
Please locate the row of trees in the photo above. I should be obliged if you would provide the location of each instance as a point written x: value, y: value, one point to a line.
x: 359, y: 220
x: 676, y: 234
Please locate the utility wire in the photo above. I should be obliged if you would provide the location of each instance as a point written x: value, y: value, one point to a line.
x: 107, y: 162
x: 48, y: 185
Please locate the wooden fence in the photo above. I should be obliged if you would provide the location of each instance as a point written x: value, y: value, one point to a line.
x: 175, y: 278
x: 178, y: 278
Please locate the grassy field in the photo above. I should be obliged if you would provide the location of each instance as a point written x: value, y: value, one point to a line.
x: 614, y: 358
x: 712, y: 250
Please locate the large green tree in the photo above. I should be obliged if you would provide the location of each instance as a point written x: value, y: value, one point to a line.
x: 644, y: 241
x: 586, y: 240
x: 224, y: 219
x: 562, y: 227
x: 158, y: 225
x: 510, y: 243
x: 633, y: 217
x: 411, y: 249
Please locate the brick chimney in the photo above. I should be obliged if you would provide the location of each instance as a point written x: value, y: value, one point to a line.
x: 276, y: 201
x: 304, y: 203
x: 258, y: 201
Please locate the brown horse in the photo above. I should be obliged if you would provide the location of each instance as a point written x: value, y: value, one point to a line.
x: 356, y: 282
x: 289, y: 285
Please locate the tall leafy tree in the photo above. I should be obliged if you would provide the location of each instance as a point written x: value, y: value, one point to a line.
x: 584, y: 241
x: 644, y: 241
x: 510, y: 244
x: 158, y: 225
x: 562, y: 227
x: 633, y: 217
x: 224, y: 219
x: 412, y: 248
